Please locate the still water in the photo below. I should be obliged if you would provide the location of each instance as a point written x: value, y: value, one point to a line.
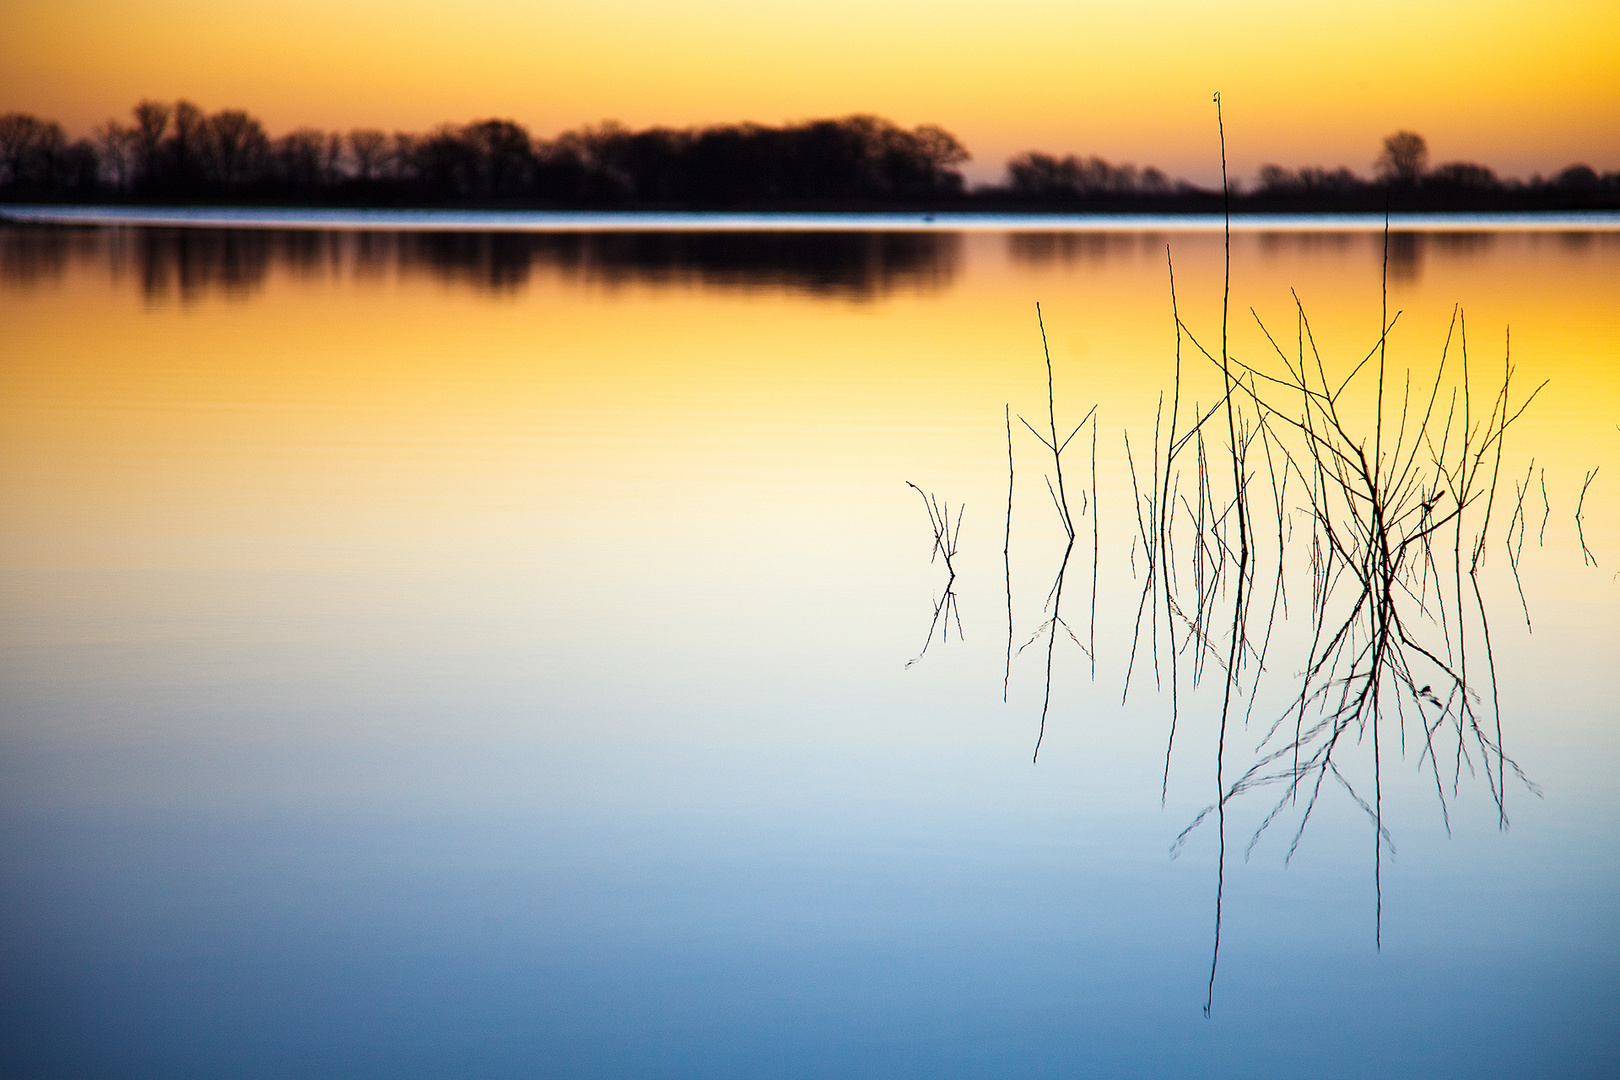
x: 485, y: 655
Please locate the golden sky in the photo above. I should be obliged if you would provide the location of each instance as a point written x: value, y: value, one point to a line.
x: 1521, y: 87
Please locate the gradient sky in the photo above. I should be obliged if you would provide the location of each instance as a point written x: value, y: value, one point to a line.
x: 1521, y: 87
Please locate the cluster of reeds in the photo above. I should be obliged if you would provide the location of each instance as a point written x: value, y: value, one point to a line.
x: 1389, y: 483
x: 1397, y: 501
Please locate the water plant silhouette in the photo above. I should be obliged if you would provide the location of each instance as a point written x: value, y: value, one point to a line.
x: 1394, y: 479
x: 946, y: 534
x: 1387, y: 627
x: 1580, y: 531
x: 1058, y: 491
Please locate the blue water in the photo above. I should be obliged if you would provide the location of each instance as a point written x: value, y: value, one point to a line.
x: 873, y: 926
x: 467, y: 742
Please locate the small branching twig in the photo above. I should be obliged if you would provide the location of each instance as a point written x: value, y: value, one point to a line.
x: 1586, y: 553
x: 1006, y: 554
x: 1057, y: 491
x: 946, y: 533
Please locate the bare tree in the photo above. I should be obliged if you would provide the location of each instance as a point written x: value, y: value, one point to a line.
x: 1404, y: 158
x: 938, y: 147
x: 401, y: 160
x: 298, y: 158
x: 1275, y: 179
x: 188, y: 142
x: 35, y: 153
x: 116, y: 145
x: 332, y: 159
x: 503, y: 152
x: 151, y: 121
x: 1043, y: 175
x: 20, y: 137
x: 76, y: 166
x: 1465, y: 176
x: 368, y: 147
x: 237, y: 145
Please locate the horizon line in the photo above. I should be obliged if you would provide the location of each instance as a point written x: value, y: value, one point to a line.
x: 545, y: 221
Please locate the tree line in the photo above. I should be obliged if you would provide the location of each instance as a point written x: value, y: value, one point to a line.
x: 1401, y: 178
x: 178, y: 152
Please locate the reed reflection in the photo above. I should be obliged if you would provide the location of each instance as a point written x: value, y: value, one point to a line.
x: 191, y: 264
x: 1370, y: 488
x: 946, y: 534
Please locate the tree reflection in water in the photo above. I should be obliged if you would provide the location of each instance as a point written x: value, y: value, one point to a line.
x: 196, y: 263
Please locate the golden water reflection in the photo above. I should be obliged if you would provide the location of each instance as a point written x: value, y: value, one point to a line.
x: 282, y: 401
x: 568, y: 584
x: 149, y: 364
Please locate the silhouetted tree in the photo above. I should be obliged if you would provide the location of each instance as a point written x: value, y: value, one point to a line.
x: 654, y: 165
x: 236, y: 145
x: 186, y: 146
x: 599, y: 154
x: 1403, y: 159
x: 35, y: 156
x: 176, y: 151
x: 151, y: 121
x: 332, y: 159
x: 445, y: 164
x: 1337, y: 181
x: 924, y: 160
x: 1310, y: 182
x: 502, y: 157
x: 400, y: 163
x: 77, y: 169
x: 24, y: 142
x: 115, y: 144
x: 298, y: 159
x: 559, y: 173
x: 736, y: 163
x: 1578, y: 178
x: 1043, y: 176
x: 1462, y: 176
x: 367, y: 147
x: 1275, y: 180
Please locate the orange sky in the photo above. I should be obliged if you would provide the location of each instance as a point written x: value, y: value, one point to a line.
x: 1517, y: 86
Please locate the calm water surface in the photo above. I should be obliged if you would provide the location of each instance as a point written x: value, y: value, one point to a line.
x: 479, y: 655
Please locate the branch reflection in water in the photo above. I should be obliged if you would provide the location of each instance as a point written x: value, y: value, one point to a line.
x: 946, y: 534
x: 1375, y: 486
x: 1060, y: 502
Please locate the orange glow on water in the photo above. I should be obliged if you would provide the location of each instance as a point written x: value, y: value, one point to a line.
x: 316, y: 463
x: 328, y: 387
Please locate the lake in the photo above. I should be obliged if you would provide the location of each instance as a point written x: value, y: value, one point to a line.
x: 510, y: 653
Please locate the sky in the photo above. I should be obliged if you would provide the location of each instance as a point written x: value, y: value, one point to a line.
x: 1520, y: 87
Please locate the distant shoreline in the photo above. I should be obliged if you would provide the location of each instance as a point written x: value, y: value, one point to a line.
x: 541, y: 221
